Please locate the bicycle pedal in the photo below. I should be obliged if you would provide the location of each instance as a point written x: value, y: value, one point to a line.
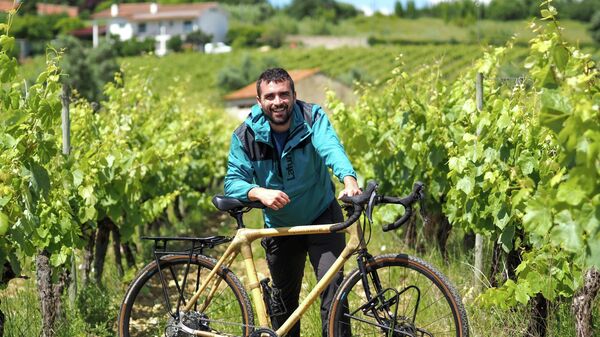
x: 277, y: 303
x: 272, y: 298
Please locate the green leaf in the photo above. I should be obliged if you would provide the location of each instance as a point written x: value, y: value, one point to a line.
x: 506, y: 238
x: 571, y: 191
x: 58, y: 258
x: 556, y: 108
x: 593, y: 253
x: 40, y: 179
x: 465, y: 184
x: 527, y: 163
x: 77, y: 177
x: 538, y: 216
x: 560, y: 54
x: 566, y: 232
x: 522, y: 291
x: 555, y: 100
x: 546, y: 14
x: 503, y: 121
x: 7, y: 42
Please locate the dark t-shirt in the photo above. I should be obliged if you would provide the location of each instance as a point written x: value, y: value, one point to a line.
x: 279, y: 140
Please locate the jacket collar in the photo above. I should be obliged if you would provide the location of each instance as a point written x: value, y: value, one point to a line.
x: 262, y: 129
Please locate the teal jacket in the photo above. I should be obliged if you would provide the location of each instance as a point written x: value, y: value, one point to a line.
x: 301, y: 170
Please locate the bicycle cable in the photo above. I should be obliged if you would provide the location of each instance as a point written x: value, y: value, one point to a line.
x: 366, y: 223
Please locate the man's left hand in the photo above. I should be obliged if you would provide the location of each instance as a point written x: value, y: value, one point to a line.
x: 350, y: 187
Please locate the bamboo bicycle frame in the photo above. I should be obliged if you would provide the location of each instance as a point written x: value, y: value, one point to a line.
x: 242, y: 243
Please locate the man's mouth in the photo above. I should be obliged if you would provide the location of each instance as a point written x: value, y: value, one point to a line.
x: 279, y: 110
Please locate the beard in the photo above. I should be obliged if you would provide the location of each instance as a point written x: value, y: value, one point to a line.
x: 281, y: 117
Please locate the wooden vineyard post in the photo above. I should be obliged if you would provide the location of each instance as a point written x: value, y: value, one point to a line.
x: 478, y: 237
x: 66, y: 149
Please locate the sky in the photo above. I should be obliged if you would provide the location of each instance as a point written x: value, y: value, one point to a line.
x: 368, y: 6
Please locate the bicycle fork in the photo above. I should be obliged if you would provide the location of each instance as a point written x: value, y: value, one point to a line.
x: 383, y: 305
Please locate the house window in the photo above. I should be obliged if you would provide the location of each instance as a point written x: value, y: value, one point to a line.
x: 187, y: 26
x: 141, y: 27
x: 170, y: 23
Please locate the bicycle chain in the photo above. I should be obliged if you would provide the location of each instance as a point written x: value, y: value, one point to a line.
x: 255, y: 327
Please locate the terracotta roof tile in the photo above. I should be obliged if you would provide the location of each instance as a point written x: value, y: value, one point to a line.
x: 249, y: 91
x: 7, y: 5
x: 131, y: 10
x: 50, y: 9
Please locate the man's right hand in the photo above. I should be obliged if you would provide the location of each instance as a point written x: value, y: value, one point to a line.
x: 274, y: 199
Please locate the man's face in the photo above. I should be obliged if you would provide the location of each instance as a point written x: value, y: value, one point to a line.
x: 277, y: 101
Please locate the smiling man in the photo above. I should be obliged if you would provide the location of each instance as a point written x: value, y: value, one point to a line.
x: 280, y: 156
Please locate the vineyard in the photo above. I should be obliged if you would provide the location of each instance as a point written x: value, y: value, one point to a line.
x: 522, y: 170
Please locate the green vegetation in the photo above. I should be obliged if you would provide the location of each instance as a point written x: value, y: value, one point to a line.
x: 138, y: 154
x: 86, y: 70
x: 435, y: 30
x: 522, y: 171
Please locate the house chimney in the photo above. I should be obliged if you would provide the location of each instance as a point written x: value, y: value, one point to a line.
x: 153, y: 8
x: 114, y: 10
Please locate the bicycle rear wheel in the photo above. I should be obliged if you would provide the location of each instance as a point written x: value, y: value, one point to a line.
x: 144, y: 311
x: 408, y: 298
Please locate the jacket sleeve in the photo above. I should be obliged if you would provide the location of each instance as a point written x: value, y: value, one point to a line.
x: 328, y: 145
x: 240, y: 173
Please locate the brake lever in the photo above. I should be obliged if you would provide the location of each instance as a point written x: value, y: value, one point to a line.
x: 370, y: 206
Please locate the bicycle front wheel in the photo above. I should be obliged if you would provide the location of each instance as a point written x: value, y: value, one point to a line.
x: 399, y: 295
x: 144, y: 311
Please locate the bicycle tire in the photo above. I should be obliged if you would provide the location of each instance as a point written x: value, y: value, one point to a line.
x: 439, y: 311
x: 143, y: 311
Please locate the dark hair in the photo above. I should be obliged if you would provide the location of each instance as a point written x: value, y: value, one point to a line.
x: 274, y: 75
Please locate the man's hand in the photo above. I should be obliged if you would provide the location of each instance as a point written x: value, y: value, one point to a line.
x: 274, y: 199
x: 350, y: 187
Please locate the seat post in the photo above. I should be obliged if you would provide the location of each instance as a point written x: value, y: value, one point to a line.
x: 238, y: 215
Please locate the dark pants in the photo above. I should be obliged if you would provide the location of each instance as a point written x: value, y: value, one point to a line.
x: 286, y: 256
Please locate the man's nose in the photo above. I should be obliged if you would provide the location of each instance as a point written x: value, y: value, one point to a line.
x: 277, y: 100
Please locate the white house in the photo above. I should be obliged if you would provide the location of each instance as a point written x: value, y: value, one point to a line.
x: 142, y: 20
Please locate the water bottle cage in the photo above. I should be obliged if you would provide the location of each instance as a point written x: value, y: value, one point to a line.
x: 272, y: 298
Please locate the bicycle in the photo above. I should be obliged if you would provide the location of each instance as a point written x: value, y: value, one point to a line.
x: 185, y: 293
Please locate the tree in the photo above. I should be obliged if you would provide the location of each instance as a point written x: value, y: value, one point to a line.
x: 398, y: 9
x: 507, y: 10
x: 308, y: 8
x: 595, y: 27
x: 87, y: 69
x: 198, y: 38
x: 411, y: 10
x: 67, y: 25
x: 245, y: 35
x: 175, y: 43
x: 237, y: 76
x: 272, y: 36
x: 330, y: 9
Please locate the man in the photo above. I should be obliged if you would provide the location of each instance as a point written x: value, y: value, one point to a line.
x: 280, y: 156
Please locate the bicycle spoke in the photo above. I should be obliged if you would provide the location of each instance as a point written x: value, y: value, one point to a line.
x: 148, y: 316
x: 410, y: 304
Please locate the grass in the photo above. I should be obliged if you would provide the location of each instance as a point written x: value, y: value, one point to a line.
x: 199, y: 71
x: 95, y: 311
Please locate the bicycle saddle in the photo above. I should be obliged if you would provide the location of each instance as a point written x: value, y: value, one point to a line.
x: 226, y: 204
